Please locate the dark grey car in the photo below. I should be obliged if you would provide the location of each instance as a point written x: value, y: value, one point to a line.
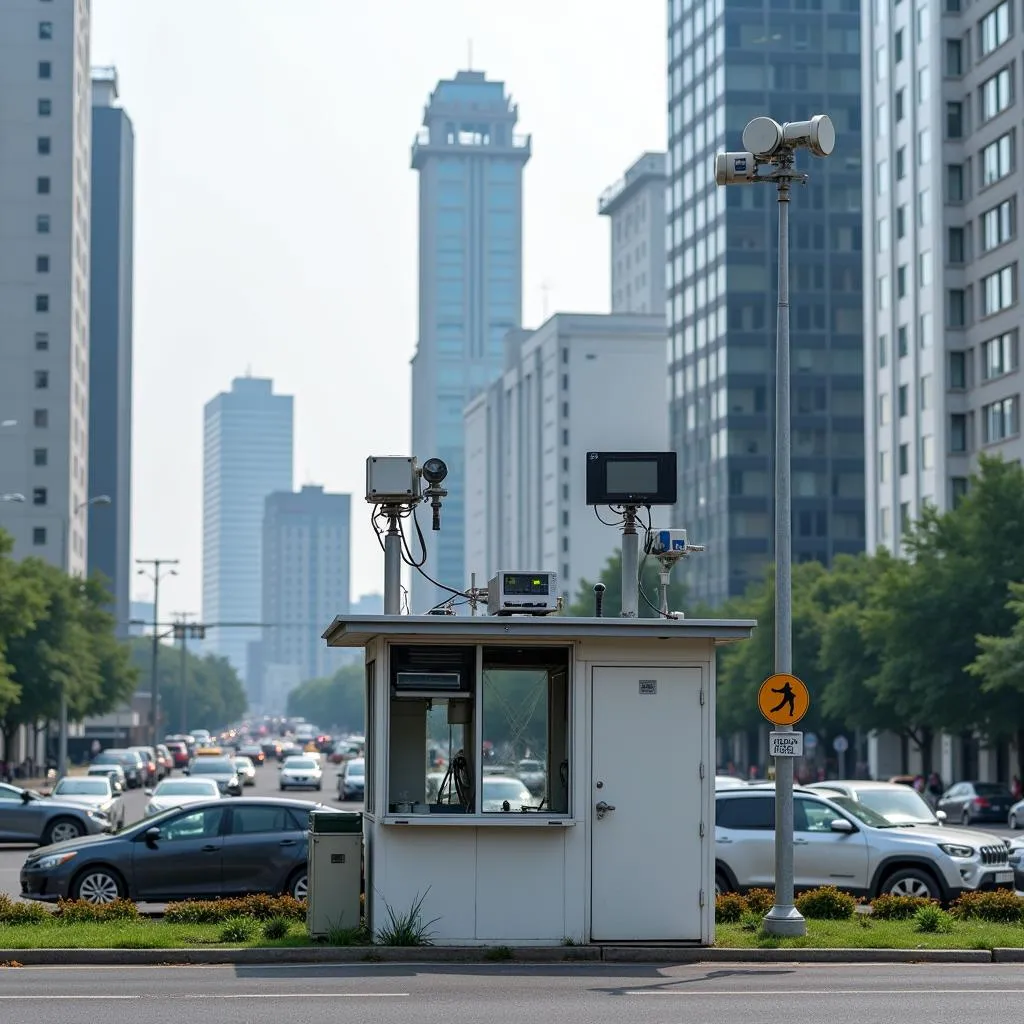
x: 204, y: 851
x: 221, y: 770
x: 27, y: 817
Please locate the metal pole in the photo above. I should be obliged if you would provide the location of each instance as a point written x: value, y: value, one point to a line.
x: 184, y: 676
x: 630, y: 565
x: 62, y: 744
x: 154, y: 696
x: 392, y: 565
x: 783, y: 918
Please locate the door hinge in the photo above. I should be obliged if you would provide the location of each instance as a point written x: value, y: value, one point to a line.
x: 702, y: 696
x: 702, y: 830
x: 702, y: 897
x: 702, y: 769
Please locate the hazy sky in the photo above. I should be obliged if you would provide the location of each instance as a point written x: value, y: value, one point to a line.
x: 276, y: 211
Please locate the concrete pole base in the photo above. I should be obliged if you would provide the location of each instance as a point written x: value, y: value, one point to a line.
x: 785, y: 922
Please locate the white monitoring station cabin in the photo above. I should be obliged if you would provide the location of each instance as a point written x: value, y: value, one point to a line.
x: 534, y: 779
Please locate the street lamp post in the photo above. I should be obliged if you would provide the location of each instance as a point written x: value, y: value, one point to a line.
x: 770, y: 144
x: 159, y: 571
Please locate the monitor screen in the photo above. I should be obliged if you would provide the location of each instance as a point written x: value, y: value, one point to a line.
x: 633, y: 476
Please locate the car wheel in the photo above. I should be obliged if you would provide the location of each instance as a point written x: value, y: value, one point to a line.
x: 721, y: 883
x: 911, y: 882
x: 1013, y: 822
x: 965, y: 819
x: 98, y: 885
x: 282, y: 787
x: 61, y: 830
x: 319, y: 786
x: 298, y: 887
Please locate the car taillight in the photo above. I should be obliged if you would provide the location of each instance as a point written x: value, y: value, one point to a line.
x: 980, y: 801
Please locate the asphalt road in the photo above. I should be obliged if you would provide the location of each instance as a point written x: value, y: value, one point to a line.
x: 510, y: 994
x: 12, y: 857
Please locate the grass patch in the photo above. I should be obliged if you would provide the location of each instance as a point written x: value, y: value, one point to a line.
x: 940, y: 931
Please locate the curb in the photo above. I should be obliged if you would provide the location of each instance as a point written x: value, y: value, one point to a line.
x: 483, y: 955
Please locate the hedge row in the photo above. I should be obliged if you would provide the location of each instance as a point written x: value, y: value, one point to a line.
x: 258, y: 907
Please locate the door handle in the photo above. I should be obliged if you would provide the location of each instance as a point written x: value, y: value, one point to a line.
x: 722, y: 839
x: 801, y: 842
x: 287, y: 842
x: 209, y: 848
x: 603, y: 808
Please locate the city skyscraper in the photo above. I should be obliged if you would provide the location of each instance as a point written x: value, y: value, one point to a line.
x: 306, y: 583
x: 470, y: 162
x: 941, y: 254
x: 247, y: 454
x: 45, y: 128
x: 727, y: 64
x: 110, y: 340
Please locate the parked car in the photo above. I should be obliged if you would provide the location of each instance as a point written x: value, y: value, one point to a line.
x: 173, y: 793
x: 352, y: 779
x: 27, y: 817
x: 729, y: 782
x: 179, y: 751
x: 301, y: 772
x: 93, y: 792
x: 838, y: 841
x: 1015, y: 819
x: 1016, y: 858
x: 505, y: 793
x: 895, y: 802
x: 130, y: 762
x: 206, y: 851
x: 246, y: 770
x: 289, y: 750
x: 165, y: 759
x: 968, y: 802
x: 221, y: 770
x: 114, y: 772
x: 151, y: 766
x: 533, y: 776
x: 254, y: 752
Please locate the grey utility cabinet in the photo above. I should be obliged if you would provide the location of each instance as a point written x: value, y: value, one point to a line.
x: 335, y: 871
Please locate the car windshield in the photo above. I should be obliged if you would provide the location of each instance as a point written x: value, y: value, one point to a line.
x: 990, y: 789
x: 861, y: 813
x: 208, y: 766
x: 107, y: 759
x: 181, y: 787
x: 900, y: 806
x: 243, y: 762
x: 356, y: 768
x: 82, y: 787
x: 505, y: 789
x: 303, y: 763
x: 530, y: 766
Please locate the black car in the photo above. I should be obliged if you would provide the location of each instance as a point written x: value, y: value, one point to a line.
x: 203, y: 851
x: 970, y: 802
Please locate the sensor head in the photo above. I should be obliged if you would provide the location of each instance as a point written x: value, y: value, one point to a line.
x: 762, y: 137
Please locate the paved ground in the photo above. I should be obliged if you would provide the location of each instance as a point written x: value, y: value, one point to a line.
x: 12, y: 857
x: 570, y: 994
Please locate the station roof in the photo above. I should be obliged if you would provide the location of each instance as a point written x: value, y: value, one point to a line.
x: 359, y: 630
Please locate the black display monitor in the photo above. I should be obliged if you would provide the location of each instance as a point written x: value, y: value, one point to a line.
x: 631, y: 478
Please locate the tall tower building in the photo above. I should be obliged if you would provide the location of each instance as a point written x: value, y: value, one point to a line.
x: 635, y: 206
x: 470, y: 162
x: 45, y: 129
x: 247, y: 454
x: 306, y: 583
x: 941, y: 252
x: 727, y: 64
x: 110, y: 340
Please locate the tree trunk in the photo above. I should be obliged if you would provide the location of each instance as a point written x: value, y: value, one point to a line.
x: 925, y: 747
x: 904, y: 753
x: 1020, y: 751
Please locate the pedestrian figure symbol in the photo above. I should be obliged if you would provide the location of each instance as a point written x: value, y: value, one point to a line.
x: 788, y: 697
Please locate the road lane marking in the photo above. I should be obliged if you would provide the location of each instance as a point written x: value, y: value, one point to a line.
x: 817, y: 993
x: 214, y: 995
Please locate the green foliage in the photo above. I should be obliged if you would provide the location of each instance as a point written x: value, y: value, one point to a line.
x: 932, y: 919
x: 335, y: 702
x: 887, y: 907
x: 760, y: 901
x: 81, y: 912
x: 276, y: 928
x: 257, y: 906
x: 999, y: 906
x: 239, y: 929
x: 730, y: 907
x: 407, y: 928
x: 826, y: 904
x: 611, y: 576
x: 22, y: 913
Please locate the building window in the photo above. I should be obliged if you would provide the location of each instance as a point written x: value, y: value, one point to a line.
x: 901, y: 281
x: 923, y: 81
x: 954, y: 60
x: 958, y: 489
x: 996, y: 94
x: 994, y: 28
x: 924, y: 388
x: 957, y: 307
x: 883, y: 292
x: 901, y: 220
x: 43, y: 145
x: 928, y: 452
x: 42, y: 264
x: 43, y: 224
x: 45, y: 69
x: 883, y: 353
x: 956, y: 245
x: 924, y: 145
x: 883, y: 467
x: 46, y: 30
x: 1001, y: 419
x: 924, y: 210
x: 904, y: 517
x: 42, y: 379
x: 42, y: 341
x: 42, y: 303
x: 955, y: 183
x: 43, y: 186
x: 39, y: 496
x: 901, y: 340
x: 924, y: 268
x: 924, y: 330
x: 901, y: 400
x: 39, y: 536
x: 954, y: 121
x: 901, y: 163
x: 897, y: 46
x: 41, y: 418
x: 958, y: 432
x: 997, y: 225
x: 904, y: 456
x: 883, y: 409
x: 999, y: 356
x: 957, y: 371
x: 45, y: 108
x: 39, y: 457
x: 996, y: 160
x: 997, y: 291
x: 884, y: 527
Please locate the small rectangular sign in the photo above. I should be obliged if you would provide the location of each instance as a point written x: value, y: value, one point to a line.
x: 786, y: 744
x: 648, y: 686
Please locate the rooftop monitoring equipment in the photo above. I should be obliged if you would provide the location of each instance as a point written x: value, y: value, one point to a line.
x: 522, y: 593
x: 669, y: 547
x: 627, y: 482
x: 769, y: 143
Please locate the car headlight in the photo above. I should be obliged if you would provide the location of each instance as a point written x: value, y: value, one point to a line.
x: 955, y: 850
x: 98, y: 815
x: 54, y: 861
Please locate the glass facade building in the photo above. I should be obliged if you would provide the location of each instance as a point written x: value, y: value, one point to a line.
x: 729, y: 61
x: 470, y: 163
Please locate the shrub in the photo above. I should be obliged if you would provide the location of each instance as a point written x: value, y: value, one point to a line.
x: 407, y: 928
x: 276, y: 928
x: 22, y: 913
x: 80, y: 912
x: 760, y: 901
x: 257, y: 907
x: 932, y: 918
x: 826, y: 904
x: 730, y: 907
x: 238, y: 929
x: 999, y: 907
x: 898, y: 908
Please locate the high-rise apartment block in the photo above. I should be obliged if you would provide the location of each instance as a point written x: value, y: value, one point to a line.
x: 306, y: 582
x: 470, y: 162
x: 45, y: 130
x: 247, y: 454
x: 941, y: 252
x: 110, y: 341
x: 727, y: 64
x: 635, y: 206
x: 579, y: 383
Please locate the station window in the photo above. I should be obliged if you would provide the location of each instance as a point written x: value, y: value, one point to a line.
x: 478, y: 730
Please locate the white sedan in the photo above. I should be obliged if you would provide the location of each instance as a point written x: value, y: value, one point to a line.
x: 301, y: 772
x: 246, y: 770
x: 179, y: 793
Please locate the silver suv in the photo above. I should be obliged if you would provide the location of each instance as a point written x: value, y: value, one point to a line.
x: 838, y: 841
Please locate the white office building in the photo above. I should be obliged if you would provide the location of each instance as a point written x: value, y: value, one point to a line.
x: 635, y: 207
x: 579, y: 383
x: 45, y: 136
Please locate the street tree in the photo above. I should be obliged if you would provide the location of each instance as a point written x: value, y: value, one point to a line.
x: 22, y: 601
x: 611, y: 576
x: 337, y: 701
